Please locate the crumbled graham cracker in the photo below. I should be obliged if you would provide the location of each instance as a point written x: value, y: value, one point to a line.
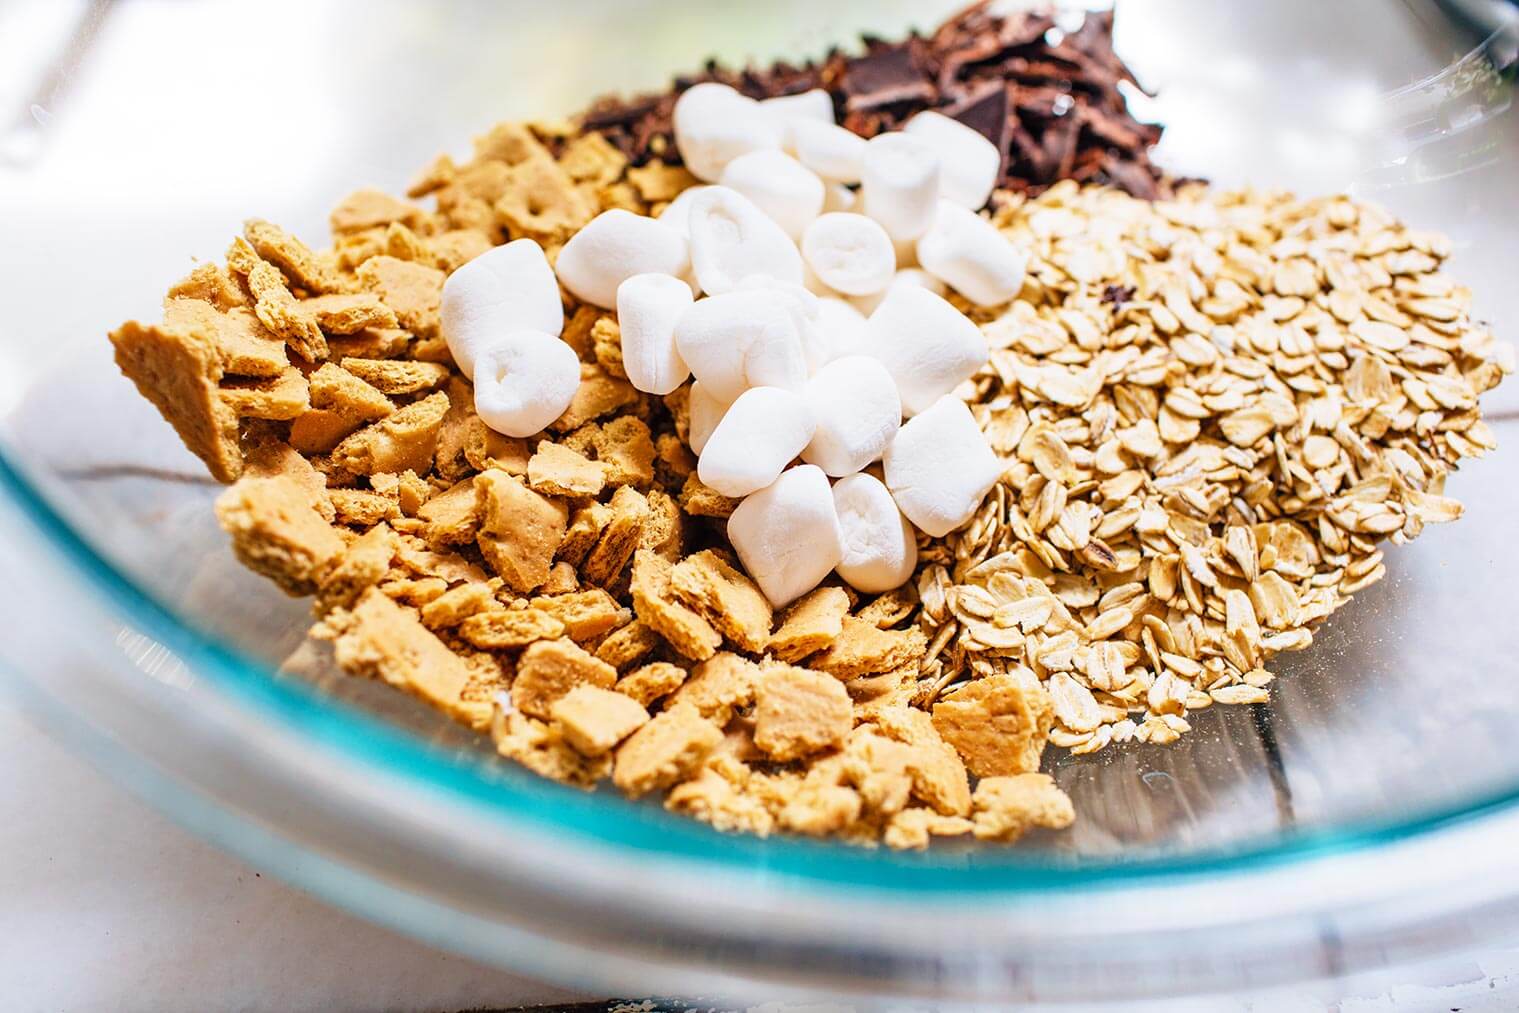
x: 999, y: 724
x: 334, y: 388
x: 584, y: 530
x: 562, y: 580
x: 452, y: 517
x: 863, y: 649
x: 713, y: 799
x: 628, y: 512
x: 393, y: 377
x: 664, y: 751
x: 548, y: 669
x: 627, y: 644
x: 725, y: 597
x: 212, y: 284
x: 274, y: 304
x: 457, y: 604
x: 266, y: 457
x: 664, y: 531
x: 938, y: 773
x: 590, y: 158
x: 293, y: 257
x: 699, y: 499
x: 606, y: 346
x: 652, y: 681
x: 345, y: 313
x: 912, y: 828
x: 594, y: 720
x: 585, y: 614
x: 626, y: 448
x: 363, y: 564
x: 556, y: 470
x: 653, y: 603
x: 404, y: 441
x: 810, y: 625
x: 279, y: 399
x: 657, y: 181
x: 519, y: 530
x: 719, y: 686
x: 363, y: 507
x: 413, y: 291
x: 597, y: 395
x: 365, y: 209
x: 797, y: 712
x: 508, y: 629
x: 1008, y: 807
x: 542, y: 749
x: 244, y: 345
x: 542, y: 202
x: 277, y: 531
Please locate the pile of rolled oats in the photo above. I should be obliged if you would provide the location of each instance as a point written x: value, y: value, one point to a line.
x: 1214, y: 410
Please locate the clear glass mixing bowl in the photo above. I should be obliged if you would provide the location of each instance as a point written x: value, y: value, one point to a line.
x: 1364, y: 817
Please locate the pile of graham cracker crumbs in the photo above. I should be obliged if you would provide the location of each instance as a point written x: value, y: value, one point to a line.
x: 1214, y: 411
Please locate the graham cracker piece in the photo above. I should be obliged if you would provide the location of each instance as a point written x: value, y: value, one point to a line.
x: 628, y: 512
x: 279, y: 398
x: 268, y: 457
x: 414, y: 554
x: 585, y: 528
x: 348, y: 312
x: 626, y: 448
x: 715, y: 800
x: 380, y: 639
x: 594, y: 720
x: 657, y: 181
x: 821, y: 806
x: 558, y: 471
x: 699, y: 499
x: 519, y: 530
x: 508, y: 629
x: 863, y: 649
x: 650, y: 682
x: 208, y: 283
x: 938, y: 774
x: 404, y: 441
x: 664, y: 531
x: 365, y: 209
x: 664, y: 751
x: 244, y: 345
x: 542, y: 749
x: 1008, y: 807
x: 452, y: 517
x: 276, y: 531
x: 438, y: 173
x: 334, y: 388
x: 416, y: 592
x: 370, y: 343
x: 396, y: 376
x: 878, y: 768
x: 540, y: 201
x: 511, y: 142
x: 485, y: 448
x: 453, y: 249
x: 276, y: 308
x: 548, y: 669
x: 460, y: 427
x: 719, y: 686
x: 726, y: 597
x: 998, y: 723
x: 413, y: 291
x: 178, y: 371
x: 591, y: 158
x: 653, y: 603
x: 606, y: 346
x: 293, y: 257
x: 319, y: 430
x: 363, y: 508
x: 363, y: 565
x: 457, y: 604
x: 598, y: 394
x: 811, y: 624
x: 911, y: 829
x: 889, y: 609
x: 585, y: 614
x: 562, y: 579
x: 673, y: 460
x: 577, y: 331
x: 797, y: 712
x: 627, y: 644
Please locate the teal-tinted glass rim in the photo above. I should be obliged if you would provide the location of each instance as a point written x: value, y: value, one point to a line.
x: 610, y: 821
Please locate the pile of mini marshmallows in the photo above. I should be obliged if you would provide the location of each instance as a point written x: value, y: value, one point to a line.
x: 786, y: 289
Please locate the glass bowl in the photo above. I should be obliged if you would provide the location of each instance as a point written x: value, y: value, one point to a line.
x: 1363, y: 818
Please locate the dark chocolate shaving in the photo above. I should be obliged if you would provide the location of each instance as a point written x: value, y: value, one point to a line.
x: 1049, y: 101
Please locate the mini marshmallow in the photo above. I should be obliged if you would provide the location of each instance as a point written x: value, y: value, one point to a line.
x: 839, y: 331
x: 854, y: 404
x: 524, y: 381
x: 880, y: 549
x: 852, y: 254
x: 939, y: 467
x: 731, y: 240
x: 740, y: 340
x: 967, y: 252
x: 703, y: 413
x: 613, y: 247
x: 833, y: 152
x: 780, y: 186
x: 867, y: 304
x: 648, y: 308
x: 677, y: 213
x: 760, y: 434
x: 714, y: 124
x: 838, y: 197
x: 815, y: 106
x: 899, y: 178
x: 787, y: 535
x: 970, y: 163
x: 505, y: 289
x: 928, y: 346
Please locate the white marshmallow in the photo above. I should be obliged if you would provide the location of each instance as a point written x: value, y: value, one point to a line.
x: 852, y: 254
x: 839, y: 331
x: 731, y: 240
x: 786, y: 190
x: 524, y: 381
x: 613, y: 247
x: 787, y: 536
x: 899, y: 179
x: 880, y: 549
x: 812, y: 106
x: 831, y: 151
x: 967, y: 252
x: 939, y: 467
x: 740, y: 340
x: 703, y: 413
x: 854, y: 404
x: 867, y: 304
x: 715, y: 124
x: 970, y: 163
x: 648, y: 308
x: 928, y: 346
x: 759, y: 435
x: 677, y: 213
x: 838, y: 197
x: 509, y: 288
